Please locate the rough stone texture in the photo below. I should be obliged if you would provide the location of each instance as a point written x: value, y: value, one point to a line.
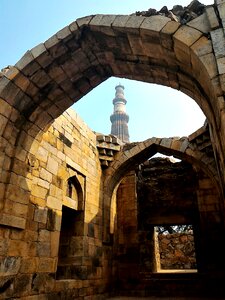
x: 142, y: 204
x: 177, y: 251
x: 49, y: 159
x: 178, y: 13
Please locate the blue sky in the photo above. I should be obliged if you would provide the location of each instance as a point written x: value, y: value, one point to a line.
x: 153, y: 110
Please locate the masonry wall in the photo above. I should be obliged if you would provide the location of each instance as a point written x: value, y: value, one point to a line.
x: 29, y: 256
x: 177, y: 251
x: 164, y: 193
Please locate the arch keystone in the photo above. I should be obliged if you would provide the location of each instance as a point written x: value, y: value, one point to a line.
x: 165, y: 142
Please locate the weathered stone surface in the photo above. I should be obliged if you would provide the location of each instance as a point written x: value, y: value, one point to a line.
x: 40, y: 214
x: 218, y: 41
x: 154, y: 23
x: 187, y: 35
x: 202, y: 46
x: 221, y: 65
x: 177, y: 251
x: 14, y: 221
x: 178, y: 13
x: 201, y: 23
x: 212, y: 17
x: 10, y: 266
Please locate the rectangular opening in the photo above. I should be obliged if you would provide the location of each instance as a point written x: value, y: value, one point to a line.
x: 175, y: 248
x: 70, y: 244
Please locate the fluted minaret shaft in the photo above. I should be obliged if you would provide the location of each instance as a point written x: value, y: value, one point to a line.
x: 119, y: 118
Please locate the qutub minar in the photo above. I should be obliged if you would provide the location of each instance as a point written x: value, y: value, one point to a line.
x: 120, y: 118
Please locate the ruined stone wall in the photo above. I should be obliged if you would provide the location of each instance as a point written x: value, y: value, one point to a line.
x: 177, y: 251
x: 29, y: 257
x: 36, y: 161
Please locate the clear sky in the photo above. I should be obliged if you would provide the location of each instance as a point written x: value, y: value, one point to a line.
x: 153, y: 110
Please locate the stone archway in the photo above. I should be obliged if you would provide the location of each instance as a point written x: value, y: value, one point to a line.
x: 127, y: 159
x: 55, y: 74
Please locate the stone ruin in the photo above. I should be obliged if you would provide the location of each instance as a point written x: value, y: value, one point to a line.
x: 178, y: 13
x: 79, y: 209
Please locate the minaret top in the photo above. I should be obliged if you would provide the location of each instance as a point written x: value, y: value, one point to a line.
x: 119, y: 101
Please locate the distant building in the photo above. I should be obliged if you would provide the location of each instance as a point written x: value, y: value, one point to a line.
x: 119, y: 118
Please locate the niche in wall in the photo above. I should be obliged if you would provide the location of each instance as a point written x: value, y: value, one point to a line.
x: 72, y: 232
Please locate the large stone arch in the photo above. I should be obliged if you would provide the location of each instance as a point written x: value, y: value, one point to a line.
x: 55, y: 74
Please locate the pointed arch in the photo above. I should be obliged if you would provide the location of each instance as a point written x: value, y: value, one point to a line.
x: 136, y: 153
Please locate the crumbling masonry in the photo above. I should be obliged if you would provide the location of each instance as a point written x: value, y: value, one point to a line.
x: 72, y: 224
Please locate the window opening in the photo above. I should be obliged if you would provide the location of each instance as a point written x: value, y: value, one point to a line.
x: 175, y: 248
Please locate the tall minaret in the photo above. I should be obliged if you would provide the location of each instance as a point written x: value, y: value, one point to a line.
x: 119, y: 118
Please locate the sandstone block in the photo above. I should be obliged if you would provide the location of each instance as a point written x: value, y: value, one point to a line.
x: 200, y: 23
x: 25, y: 60
x: 105, y: 20
x: 63, y: 33
x: 221, y: 9
x: 43, y: 183
x: 44, y: 236
x: 13, y: 221
x: 3, y: 246
x: 52, y: 165
x: 40, y: 214
x: 46, y: 265
x: 133, y: 24
x: 80, y: 22
x: 202, y: 46
x: 55, y: 243
x: 221, y: 65
x: 17, y: 248
x: 21, y: 154
x: 22, y: 285
x: 38, y: 201
x: 43, y: 249
x: 39, y: 192
x: 31, y: 236
x: 16, y: 209
x: 166, y: 34
x: 5, y: 109
x: 95, y: 21
x: 222, y: 82
x: 54, y: 203
x: 120, y: 21
x: 218, y: 41
x: 10, y: 266
x: 153, y: 25
x: 187, y: 35
x: 166, y: 143
x: 22, y: 82
x: 38, y: 50
x: 3, y: 121
x: 28, y: 265
x: 212, y: 17
x: 209, y: 63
